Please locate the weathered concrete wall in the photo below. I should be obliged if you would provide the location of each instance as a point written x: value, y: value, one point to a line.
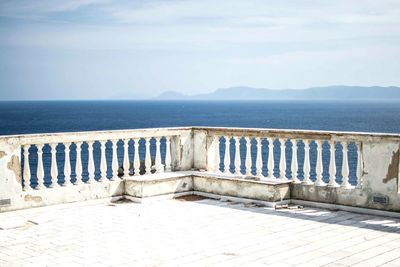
x: 10, y: 175
x: 380, y: 181
x: 235, y: 187
x: 155, y: 186
x: 182, y: 151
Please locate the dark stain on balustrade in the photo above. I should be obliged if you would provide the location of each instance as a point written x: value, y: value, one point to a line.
x: 393, y: 168
x: 36, y: 199
x: 14, y: 166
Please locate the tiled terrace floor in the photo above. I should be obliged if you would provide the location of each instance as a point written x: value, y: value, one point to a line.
x: 195, y: 233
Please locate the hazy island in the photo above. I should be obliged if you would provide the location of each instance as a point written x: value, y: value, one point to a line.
x: 314, y: 93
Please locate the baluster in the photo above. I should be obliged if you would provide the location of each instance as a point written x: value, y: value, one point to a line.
x: 27, y: 169
x: 259, y: 158
x: 78, y: 166
x: 136, y: 160
x: 307, y: 168
x: 360, y: 167
x: 294, y: 166
x: 332, y: 165
x: 115, y: 165
x: 237, y: 156
x: 282, y: 161
x: 318, y: 167
x: 103, y: 161
x: 40, y: 172
x: 270, y: 157
x: 91, y: 167
x: 158, y: 156
x: 227, y: 156
x: 345, y: 168
x: 248, y: 156
x: 126, y: 158
x: 54, y: 168
x: 168, y: 153
x: 67, y: 165
x: 147, y: 160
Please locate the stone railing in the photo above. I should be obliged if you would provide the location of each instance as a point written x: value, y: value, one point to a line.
x: 312, y: 158
x: 44, y: 169
x: 355, y: 169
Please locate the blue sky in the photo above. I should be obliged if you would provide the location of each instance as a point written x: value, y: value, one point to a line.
x: 100, y: 49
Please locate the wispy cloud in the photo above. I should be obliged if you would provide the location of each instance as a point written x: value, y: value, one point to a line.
x: 200, y: 45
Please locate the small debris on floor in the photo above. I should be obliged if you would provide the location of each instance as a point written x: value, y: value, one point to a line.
x: 119, y: 201
x: 287, y: 206
x: 281, y: 206
x: 190, y: 198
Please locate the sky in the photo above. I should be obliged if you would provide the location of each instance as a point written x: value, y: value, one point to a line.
x: 104, y: 49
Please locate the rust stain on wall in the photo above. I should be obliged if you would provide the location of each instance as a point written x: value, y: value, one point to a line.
x: 393, y: 168
x: 2, y: 154
x: 36, y: 199
x: 14, y: 166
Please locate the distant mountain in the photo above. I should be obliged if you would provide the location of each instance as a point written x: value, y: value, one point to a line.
x: 314, y: 93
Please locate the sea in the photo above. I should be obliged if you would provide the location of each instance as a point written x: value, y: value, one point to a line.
x: 25, y: 117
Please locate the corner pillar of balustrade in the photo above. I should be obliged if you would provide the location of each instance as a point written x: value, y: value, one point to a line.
x: 200, y: 149
x: 10, y: 174
x: 182, y: 151
x: 379, y: 173
x: 206, y: 150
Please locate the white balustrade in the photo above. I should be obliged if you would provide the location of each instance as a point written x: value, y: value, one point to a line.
x: 52, y: 161
x: 306, y: 167
x: 158, y: 156
x: 270, y: 158
x: 248, y: 156
x: 91, y: 167
x: 259, y: 158
x: 294, y: 165
x: 54, y: 167
x: 147, y: 159
x: 67, y: 165
x: 237, y: 162
x: 78, y: 165
x: 332, y: 165
x: 282, y: 161
x: 237, y: 155
x: 136, y: 159
x: 27, y: 169
x: 126, y: 163
x: 345, y: 167
x: 40, y: 171
x: 319, y: 167
x: 103, y: 161
x: 115, y: 164
x: 227, y: 156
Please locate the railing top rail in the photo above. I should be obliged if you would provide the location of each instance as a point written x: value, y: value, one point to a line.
x: 171, y: 131
x: 64, y: 137
x: 299, y: 134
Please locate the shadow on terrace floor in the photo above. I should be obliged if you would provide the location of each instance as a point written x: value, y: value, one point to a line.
x: 365, y: 221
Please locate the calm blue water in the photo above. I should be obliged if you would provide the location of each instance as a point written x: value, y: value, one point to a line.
x: 68, y: 116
